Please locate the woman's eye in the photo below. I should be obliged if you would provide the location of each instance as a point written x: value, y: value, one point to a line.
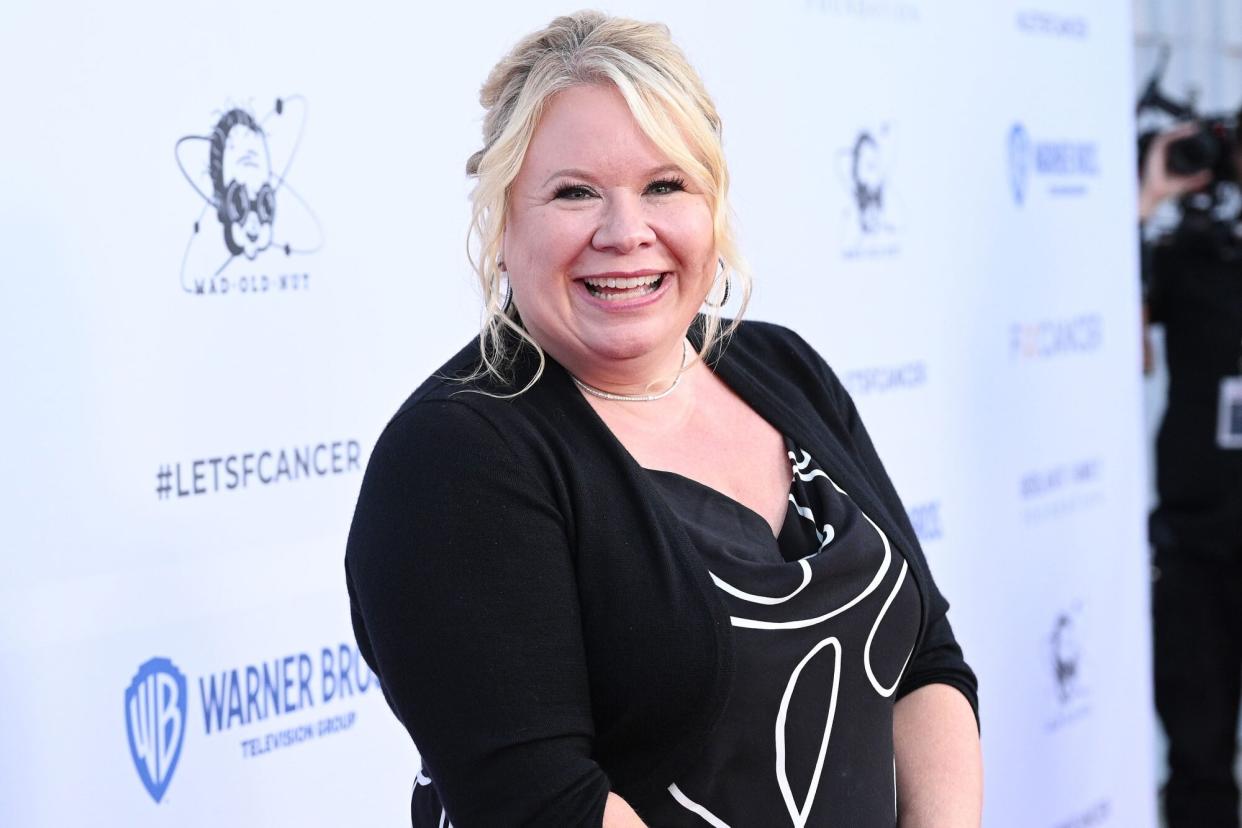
x: 666, y: 186
x: 573, y: 192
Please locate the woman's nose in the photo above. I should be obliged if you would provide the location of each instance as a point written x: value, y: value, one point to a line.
x: 623, y: 226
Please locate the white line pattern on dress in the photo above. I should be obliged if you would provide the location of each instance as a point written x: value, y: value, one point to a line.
x: 799, y: 815
x: 690, y: 805
x: 760, y: 599
x: 886, y: 692
x: 756, y: 624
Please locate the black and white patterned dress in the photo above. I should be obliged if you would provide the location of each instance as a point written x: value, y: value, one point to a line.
x: 825, y: 618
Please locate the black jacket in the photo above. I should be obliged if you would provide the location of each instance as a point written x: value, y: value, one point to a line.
x: 1196, y: 294
x: 533, y: 608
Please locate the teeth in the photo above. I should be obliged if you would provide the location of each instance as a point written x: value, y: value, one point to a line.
x: 634, y: 286
x: 625, y: 282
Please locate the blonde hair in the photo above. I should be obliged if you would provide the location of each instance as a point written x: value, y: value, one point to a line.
x: 672, y: 108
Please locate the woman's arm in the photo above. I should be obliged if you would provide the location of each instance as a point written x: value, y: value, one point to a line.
x: 464, y: 600
x: 939, y: 762
x: 619, y: 814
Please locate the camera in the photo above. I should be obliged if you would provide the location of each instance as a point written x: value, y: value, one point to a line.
x: 1213, y: 148
x: 1209, y: 219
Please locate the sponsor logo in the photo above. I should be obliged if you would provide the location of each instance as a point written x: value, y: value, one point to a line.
x: 1062, y: 168
x: 1095, y: 814
x: 1055, y: 491
x: 155, y: 716
x: 880, y: 378
x: 1050, y: 24
x: 252, y: 225
x: 1050, y: 481
x: 898, y: 10
x: 886, y: 378
x: 1019, y: 161
x: 228, y: 472
x: 1049, y: 338
x: 925, y: 518
x: 1066, y: 653
x: 306, y: 689
x: 870, y: 218
x: 1065, y: 650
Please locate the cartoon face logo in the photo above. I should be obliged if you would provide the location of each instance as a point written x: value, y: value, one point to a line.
x: 1019, y: 161
x: 864, y: 169
x: 240, y: 171
x: 867, y: 174
x: 1066, y: 654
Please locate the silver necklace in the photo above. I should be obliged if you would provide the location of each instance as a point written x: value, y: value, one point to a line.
x: 608, y: 395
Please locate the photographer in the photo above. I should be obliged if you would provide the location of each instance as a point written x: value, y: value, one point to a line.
x: 1157, y: 184
x: 1193, y: 288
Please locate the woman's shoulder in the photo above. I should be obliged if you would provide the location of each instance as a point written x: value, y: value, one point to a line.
x: 779, y: 350
x: 462, y: 380
x: 459, y: 409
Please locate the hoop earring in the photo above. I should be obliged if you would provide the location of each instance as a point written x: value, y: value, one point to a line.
x: 724, y: 300
x: 508, y: 303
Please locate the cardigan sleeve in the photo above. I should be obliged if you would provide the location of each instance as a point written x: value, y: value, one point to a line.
x: 939, y: 658
x: 464, y: 602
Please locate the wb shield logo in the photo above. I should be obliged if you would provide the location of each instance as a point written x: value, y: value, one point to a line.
x: 1019, y: 162
x: 155, y: 713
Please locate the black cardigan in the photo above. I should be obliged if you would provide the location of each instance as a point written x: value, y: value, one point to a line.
x: 532, y: 607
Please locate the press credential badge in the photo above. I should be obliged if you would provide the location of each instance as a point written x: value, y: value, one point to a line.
x: 1229, y: 415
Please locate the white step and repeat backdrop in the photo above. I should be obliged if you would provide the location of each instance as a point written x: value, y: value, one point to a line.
x: 938, y: 195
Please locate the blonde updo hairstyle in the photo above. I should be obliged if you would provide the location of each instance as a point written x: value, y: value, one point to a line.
x: 670, y: 105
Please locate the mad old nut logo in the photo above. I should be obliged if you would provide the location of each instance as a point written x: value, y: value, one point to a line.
x: 251, y: 224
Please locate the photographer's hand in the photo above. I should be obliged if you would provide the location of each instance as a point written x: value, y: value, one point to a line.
x: 1156, y: 182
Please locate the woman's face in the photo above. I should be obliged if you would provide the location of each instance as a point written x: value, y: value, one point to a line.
x: 608, y: 246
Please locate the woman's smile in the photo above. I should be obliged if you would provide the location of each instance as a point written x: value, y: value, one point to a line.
x: 619, y: 291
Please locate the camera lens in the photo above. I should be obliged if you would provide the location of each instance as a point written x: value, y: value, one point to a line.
x: 1194, y: 153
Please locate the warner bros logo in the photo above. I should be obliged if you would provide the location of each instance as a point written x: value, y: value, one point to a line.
x: 155, y: 716
x: 1019, y: 162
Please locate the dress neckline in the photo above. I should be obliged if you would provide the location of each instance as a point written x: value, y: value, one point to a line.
x: 749, y: 513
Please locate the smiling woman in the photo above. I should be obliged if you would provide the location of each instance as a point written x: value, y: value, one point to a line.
x: 651, y: 121
x: 611, y: 572
x: 608, y: 248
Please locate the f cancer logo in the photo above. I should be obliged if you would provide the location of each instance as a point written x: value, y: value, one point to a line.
x: 155, y: 716
x: 252, y: 224
x: 1056, y: 337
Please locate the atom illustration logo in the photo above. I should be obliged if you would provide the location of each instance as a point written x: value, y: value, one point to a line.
x: 240, y: 170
